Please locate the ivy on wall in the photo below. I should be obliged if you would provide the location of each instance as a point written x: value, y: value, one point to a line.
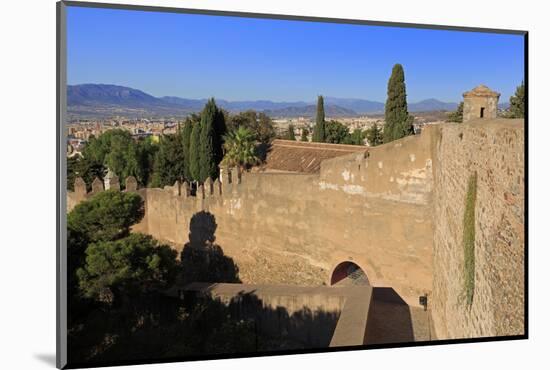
x: 469, y: 239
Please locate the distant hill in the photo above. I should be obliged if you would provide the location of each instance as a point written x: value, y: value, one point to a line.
x: 193, y: 104
x: 99, y: 94
x: 311, y: 111
x: 99, y: 100
x: 360, y: 106
x: 102, y: 100
x: 430, y: 105
x: 234, y: 106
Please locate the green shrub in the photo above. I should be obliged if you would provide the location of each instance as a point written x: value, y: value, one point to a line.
x: 469, y: 239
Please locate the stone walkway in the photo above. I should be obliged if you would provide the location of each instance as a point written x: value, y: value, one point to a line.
x: 391, y: 320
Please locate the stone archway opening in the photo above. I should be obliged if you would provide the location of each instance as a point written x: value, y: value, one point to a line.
x: 349, y: 273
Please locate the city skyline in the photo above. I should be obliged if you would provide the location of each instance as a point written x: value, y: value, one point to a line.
x: 234, y: 58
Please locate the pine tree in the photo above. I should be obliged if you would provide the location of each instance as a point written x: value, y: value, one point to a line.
x: 335, y: 132
x: 357, y: 137
x: 517, y: 102
x: 398, y: 121
x: 319, y: 129
x: 290, y: 135
x: 194, y: 150
x: 186, y: 143
x: 207, y: 162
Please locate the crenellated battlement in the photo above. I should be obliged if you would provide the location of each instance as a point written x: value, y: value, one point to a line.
x: 227, y: 184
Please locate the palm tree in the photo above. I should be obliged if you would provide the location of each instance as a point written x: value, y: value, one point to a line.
x: 240, y: 148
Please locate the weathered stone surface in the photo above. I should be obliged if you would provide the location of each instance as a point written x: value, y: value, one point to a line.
x: 114, y: 183
x: 111, y: 181
x: 79, y: 194
x: 185, y: 189
x: 225, y: 177
x: 176, y: 188
x: 131, y: 183
x: 495, y: 151
x: 208, y: 187
x: 97, y: 185
x: 235, y: 175
x: 200, y: 192
x: 80, y: 186
x: 217, y: 187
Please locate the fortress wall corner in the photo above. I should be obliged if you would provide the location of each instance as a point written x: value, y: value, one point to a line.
x: 398, y: 171
x: 383, y: 202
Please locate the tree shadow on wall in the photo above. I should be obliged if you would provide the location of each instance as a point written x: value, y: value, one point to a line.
x: 277, y: 328
x: 202, y: 260
x: 246, y: 323
x: 168, y: 328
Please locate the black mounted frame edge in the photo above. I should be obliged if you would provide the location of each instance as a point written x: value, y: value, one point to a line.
x: 61, y: 102
x: 165, y: 9
x: 292, y: 352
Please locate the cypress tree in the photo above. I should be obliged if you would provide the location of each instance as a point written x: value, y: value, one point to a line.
x: 220, y: 129
x: 398, y: 121
x: 194, y: 150
x: 186, y: 143
x: 319, y: 129
x: 207, y: 162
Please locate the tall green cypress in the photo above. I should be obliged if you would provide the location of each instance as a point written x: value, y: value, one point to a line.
x: 194, y: 152
x: 220, y: 129
x: 186, y: 143
x: 207, y: 160
x: 398, y: 121
x: 319, y: 129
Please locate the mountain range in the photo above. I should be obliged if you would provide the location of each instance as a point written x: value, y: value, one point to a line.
x: 100, y: 100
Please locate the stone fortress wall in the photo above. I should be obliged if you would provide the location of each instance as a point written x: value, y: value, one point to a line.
x: 495, y: 152
x: 395, y: 210
x: 295, y: 228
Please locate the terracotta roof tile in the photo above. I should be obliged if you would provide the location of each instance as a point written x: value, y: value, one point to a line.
x: 297, y: 156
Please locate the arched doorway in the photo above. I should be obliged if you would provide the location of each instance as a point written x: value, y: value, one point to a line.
x: 349, y: 273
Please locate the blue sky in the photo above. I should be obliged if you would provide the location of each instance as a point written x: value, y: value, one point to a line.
x: 199, y: 56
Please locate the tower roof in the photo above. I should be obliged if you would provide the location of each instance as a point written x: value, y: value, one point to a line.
x: 482, y: 91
